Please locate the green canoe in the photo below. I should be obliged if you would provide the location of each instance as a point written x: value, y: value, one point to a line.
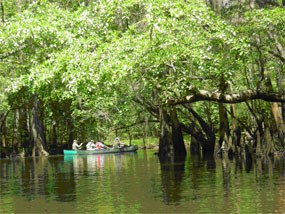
x: 101, y: 151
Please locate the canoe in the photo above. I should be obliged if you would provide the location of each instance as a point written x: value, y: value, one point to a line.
x: 101, y: 151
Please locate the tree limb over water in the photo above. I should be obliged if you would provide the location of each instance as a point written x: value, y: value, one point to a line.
x: 203, y: 95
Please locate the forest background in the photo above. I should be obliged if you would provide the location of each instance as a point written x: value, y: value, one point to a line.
x: 212, y: 71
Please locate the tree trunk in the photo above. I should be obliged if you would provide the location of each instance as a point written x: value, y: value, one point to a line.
x: 70, y: 131
x: 2, y: 11
x: 279, y: 114
x: 252, y: 4
x: 224, y: 129
x: 283, y: 108
x: 171, y: 141
x: 28, y: 124
x: 248, y: 155
x: 3, y: 130
x: 37, y: 128
x: 3, y: 136
x: 217, y: 5
x: 22, y: 138
x: 54, y: 134
x: 236, y: 132
x: 206, y: 136
x: 233, y: 113
x: 130, y: 137
x: 268, y: 143
x: 145, y: 131
x: 258, y: 149
x: 279, y: 124
x: 165, y: 138
x: 177, y: 136
x: 54, y: 147
x: 194, y: 146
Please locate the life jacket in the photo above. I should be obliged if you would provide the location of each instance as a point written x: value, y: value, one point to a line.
x: 98, y: 145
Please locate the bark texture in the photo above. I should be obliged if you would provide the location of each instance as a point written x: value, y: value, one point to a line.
x: 38, y: 129
x: 203, y: 95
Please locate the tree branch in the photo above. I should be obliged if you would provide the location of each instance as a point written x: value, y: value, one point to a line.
x: 8, y: 54
x: 203, y: 95
x: 2, y: 11
x: 134, y: 124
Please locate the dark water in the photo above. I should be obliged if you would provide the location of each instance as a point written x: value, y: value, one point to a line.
x: 139, y: 183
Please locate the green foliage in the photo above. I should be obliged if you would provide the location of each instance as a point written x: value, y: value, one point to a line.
x: 180, y: 45
x: 91, y: 60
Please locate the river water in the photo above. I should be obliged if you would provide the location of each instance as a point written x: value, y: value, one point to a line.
x: 140, y: 183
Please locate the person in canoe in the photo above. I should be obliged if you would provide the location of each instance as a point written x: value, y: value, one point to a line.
x: 100, y: 145
x: 90, y: 145
x: 117, y: 143
x: 75, y: 145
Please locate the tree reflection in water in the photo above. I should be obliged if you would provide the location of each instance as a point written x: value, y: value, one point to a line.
x: 172, y: 173
x: 142, y: 184
x: 64, y: 181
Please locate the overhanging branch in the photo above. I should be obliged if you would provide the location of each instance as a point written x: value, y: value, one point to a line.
x: 134, y: 124
x: 203, y: 95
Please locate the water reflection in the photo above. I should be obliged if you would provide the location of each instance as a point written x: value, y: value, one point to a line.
x: 37, y: 176
x: 62, y: 184
x: 93, y: 163
x: 141, y: 183
x: 172, y: 173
